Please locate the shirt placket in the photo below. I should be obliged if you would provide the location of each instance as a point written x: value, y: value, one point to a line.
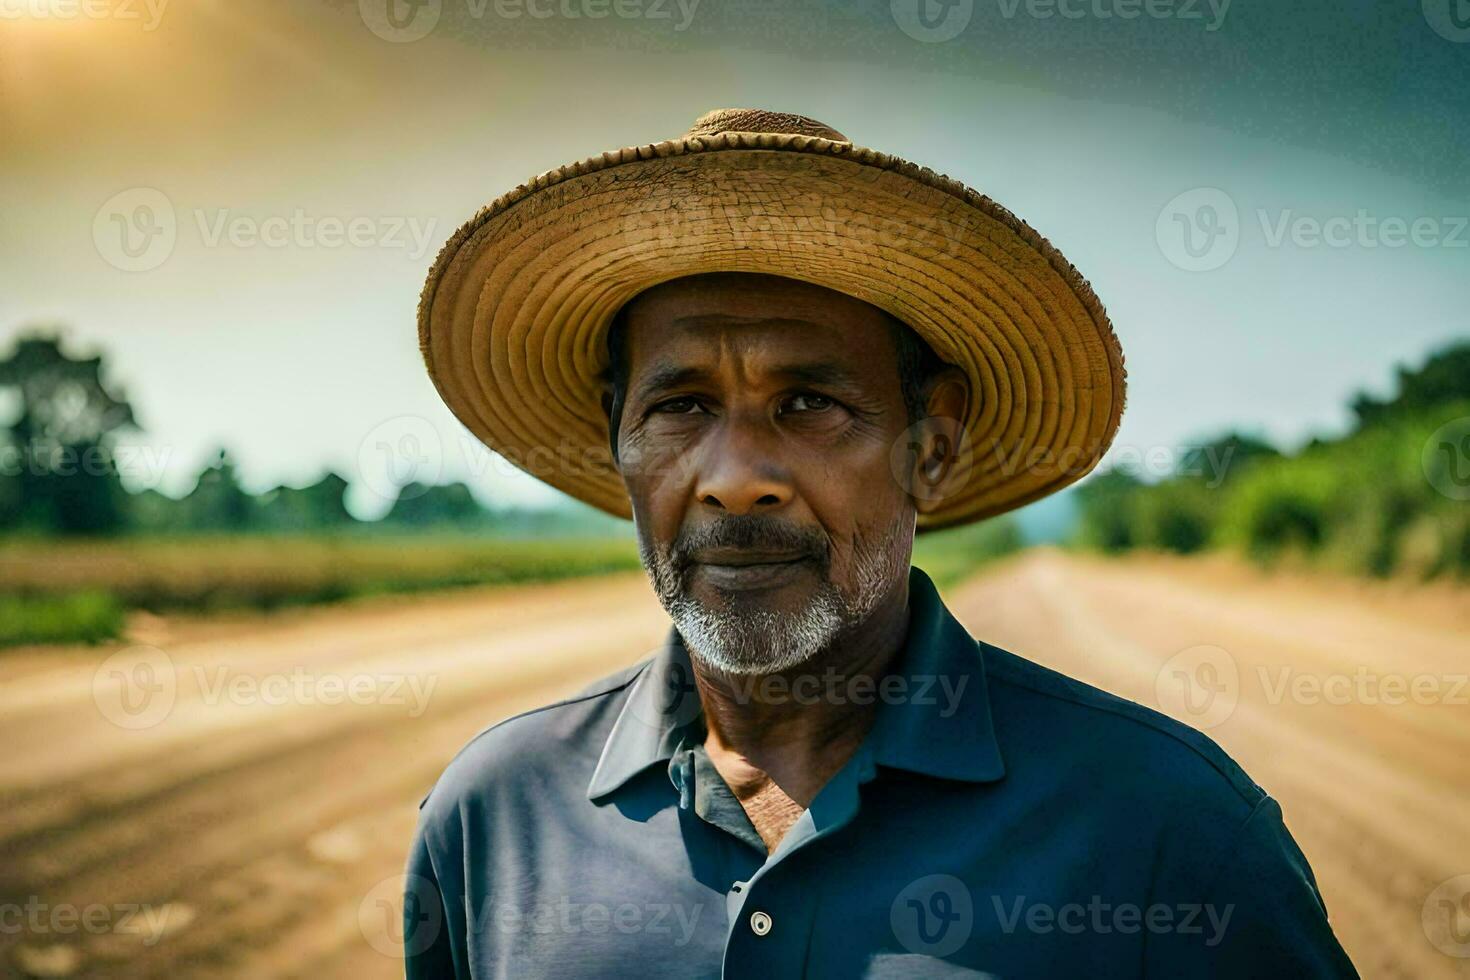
x: 771, y: 915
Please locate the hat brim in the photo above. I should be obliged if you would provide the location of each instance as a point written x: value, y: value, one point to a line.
x: 513, y: 317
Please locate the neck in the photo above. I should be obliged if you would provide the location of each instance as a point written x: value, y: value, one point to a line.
x: 796, y: 728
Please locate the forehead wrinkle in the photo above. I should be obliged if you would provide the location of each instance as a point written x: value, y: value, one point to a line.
x: 734, y: 357
x: 739, y: 336
x: 724, y: 336
x: 737, y: 320
x: 700, y: 345
x: 733, y: 348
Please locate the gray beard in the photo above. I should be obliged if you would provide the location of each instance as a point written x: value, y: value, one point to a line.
x: 752, y: 642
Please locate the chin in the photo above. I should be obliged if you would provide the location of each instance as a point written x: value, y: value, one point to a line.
x: 746, y: 638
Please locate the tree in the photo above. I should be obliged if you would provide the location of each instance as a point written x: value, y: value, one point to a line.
x: 449, y: 505
x: 1108, y: 505
x: 217, y: 502
x: 1225, y: 457
x: 1444, y: 378
x: 316, y: 507
x: 58, y: 463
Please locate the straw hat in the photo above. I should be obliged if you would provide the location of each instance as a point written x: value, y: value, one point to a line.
x: 513, y: 318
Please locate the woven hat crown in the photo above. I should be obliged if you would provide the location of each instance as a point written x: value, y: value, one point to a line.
x: 762, y: 121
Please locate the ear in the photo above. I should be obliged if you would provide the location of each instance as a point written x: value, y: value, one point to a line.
x: 613, y: 412
x: 605, y: 389
x: 938, y: 439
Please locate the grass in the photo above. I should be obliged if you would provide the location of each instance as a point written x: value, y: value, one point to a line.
x: 953, y: 555
x: 76, y: 591
x: 78, y: 617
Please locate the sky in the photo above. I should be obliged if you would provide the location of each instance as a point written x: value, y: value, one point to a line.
x: 237, y: 203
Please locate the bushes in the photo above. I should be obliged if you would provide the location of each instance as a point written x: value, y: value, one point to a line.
x: 1109, y: 506
x: 1363, y: 504
x: 1120, y: 513
x: 1281, y: 508
x: 79, y: 617
x: 1370, y: 503
x: 1177, y: 516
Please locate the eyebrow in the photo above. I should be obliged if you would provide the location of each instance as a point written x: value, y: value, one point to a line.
x: 666, y: 376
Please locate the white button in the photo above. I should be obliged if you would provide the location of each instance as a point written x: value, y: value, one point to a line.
x: 760, y: 923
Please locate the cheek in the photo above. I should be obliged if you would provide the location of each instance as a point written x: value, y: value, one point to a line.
x: 854, y: 485
x: 862, y: 508
x: 657, y: 488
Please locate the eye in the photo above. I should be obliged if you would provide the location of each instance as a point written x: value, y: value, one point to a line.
x: 683, y: 405
x: 808, y: 401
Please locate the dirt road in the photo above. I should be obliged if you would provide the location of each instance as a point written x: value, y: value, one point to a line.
x: 234, y: 799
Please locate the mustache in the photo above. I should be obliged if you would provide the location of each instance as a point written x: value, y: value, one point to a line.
x: 766, y: 533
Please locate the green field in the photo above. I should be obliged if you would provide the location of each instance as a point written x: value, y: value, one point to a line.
x: 79, y: 590
x: 76, y: 590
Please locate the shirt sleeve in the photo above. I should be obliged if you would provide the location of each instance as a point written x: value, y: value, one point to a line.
x: 1261, y: 915
x: 428, y: 951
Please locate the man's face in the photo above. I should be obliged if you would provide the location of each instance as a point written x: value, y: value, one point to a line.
x: 755, y: 442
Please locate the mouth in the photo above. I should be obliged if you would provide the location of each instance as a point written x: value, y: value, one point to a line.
x: 747, y: 569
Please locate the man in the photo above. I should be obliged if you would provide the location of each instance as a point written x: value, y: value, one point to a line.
x: 783, y: 355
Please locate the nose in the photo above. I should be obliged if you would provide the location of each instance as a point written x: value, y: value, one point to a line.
x: 740, y: 474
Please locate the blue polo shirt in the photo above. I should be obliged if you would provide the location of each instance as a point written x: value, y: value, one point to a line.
x: 999, y: 820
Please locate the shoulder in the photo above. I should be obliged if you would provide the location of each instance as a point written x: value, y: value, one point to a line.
x: 1137, y: 754
x: 561, y: 741
x: 1168, y: 800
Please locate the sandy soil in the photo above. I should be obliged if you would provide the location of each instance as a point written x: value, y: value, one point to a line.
x: 203, y: 817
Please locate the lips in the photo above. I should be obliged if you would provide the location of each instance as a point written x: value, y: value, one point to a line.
x: 747, y: 569
x: 742, y: 557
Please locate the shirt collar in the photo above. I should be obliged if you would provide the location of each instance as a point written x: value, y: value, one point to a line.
x: 933, y: 709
